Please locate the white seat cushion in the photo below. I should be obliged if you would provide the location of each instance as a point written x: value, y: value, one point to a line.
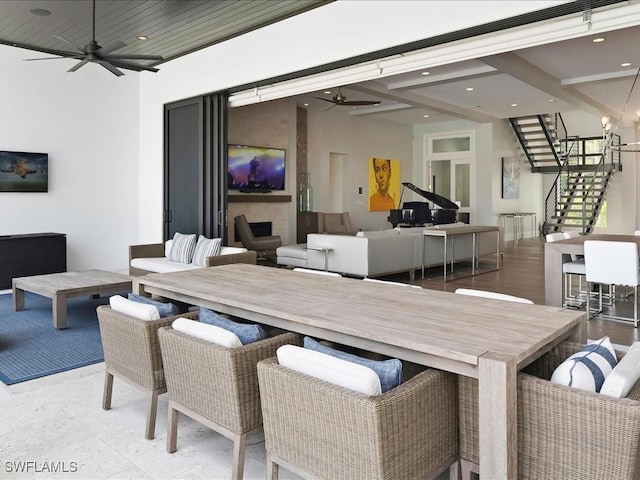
x: 161, y: 265
x: 206, y: 332
x: 574, y: 268
x: 330, y: 369
x: 625, y: 374
x: 142, y: 311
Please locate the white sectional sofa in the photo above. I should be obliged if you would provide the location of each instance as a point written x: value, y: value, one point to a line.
x: 366, y: 254
x: 376, y: 253
x: 152, y: 258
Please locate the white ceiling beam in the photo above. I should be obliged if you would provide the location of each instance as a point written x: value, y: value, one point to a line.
x: 516, y: 67
x: 379, y: 109
x: 421, y: 101
x: 429, y: 80
x: 591, y: 79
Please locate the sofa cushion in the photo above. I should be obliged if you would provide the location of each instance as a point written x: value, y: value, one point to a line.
x: 182, y: 248
x: 206, y: 247
x: 378, y: 233
x: 165, y: 309
x: 624, y: 375
x: 161, y: 265
x: 330, y: 369
x: 231, y: 250
x: 588, y: 368
x: 206, y: 332
x: 247, y: 333
x: 137, y: 310
x: 388, y: 371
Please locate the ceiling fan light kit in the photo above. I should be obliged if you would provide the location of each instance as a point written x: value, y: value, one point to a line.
x: 94, y: 53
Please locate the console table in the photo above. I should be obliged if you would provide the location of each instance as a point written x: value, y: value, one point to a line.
x: 31, y: 254
x: 473, y: 230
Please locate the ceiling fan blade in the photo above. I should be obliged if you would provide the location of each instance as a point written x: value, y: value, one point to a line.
x: 78, y: 65
x: 327, y: 100
x: 132, y: 57
x: 360, y: 102
x: 78, y: 56
x: 111, y: 68
x: 102, y: 51
x: 132, y: 66
x: 70, y: 43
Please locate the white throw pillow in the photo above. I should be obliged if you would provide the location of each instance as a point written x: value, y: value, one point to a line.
x: 182, y: 248
x: 625, y: 375
x: 330, y: 369
x: 206, y: 332
x: 167, y: 247
x: 206, y: 247
x: 588, y: 368
x: 138, y: 310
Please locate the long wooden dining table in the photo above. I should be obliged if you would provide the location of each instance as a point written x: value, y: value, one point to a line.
x: 556, y: 252
x: 482, y: 338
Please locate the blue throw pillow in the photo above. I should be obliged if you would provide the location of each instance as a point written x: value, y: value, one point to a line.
x: 164, y: 309
x: 247, y: 333
x: 389, y: 371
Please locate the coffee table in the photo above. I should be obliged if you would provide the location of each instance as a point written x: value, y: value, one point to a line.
x: 60, y: 286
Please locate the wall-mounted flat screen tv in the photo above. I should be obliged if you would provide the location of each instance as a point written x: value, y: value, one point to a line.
x: 255, y: 168
x: 24, y: 172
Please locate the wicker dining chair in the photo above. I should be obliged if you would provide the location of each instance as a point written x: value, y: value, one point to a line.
x: 132, y: 354
x: 318, y: 429
x: 563, y: 432
x: 217, y: 386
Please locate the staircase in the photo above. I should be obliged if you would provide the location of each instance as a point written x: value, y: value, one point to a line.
x: 583, y: 171
x: 538, y: 137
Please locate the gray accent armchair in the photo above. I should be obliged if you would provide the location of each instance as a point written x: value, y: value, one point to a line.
x: 259, y: 244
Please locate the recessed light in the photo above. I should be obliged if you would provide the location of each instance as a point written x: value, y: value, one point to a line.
x: 425, y: 116
x: 598, y: 40
x: 425, y: 73
x: 142, y: 37
x: 625, y: 64
x: 305, y: 104
x: 514, y: 104
x: 327, y: 92
x: 552, y: 100
x: 41, y: 12
x: 469, y: 89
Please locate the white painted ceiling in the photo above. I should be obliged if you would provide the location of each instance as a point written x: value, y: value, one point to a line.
x: 575, y: 74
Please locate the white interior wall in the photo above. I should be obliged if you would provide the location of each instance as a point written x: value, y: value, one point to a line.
x: 87, y: 121
x: 358, y: 139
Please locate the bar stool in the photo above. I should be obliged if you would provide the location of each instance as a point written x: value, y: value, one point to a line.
x: 572, y: 267
x: 613, y: 263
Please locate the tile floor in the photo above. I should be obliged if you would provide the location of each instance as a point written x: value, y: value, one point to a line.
x: 59, y: 420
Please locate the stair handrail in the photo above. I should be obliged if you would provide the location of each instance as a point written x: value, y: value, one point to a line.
x: 608, y: 140
x: 561, y: 181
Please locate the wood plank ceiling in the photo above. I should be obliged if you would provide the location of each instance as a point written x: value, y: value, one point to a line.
x: 173, y: 27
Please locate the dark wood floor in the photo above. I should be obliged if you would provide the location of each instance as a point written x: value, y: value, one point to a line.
x: 522, y: 274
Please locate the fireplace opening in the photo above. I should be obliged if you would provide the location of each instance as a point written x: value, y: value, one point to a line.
x: 259, y: 229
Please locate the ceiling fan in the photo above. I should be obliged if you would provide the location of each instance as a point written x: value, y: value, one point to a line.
x: 339, y: 99
x: 94, y: 53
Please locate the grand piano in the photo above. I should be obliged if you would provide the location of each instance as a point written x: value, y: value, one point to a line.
x: 421, y: 213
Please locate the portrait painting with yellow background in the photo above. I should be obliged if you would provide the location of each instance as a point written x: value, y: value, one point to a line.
x: 384, y: 184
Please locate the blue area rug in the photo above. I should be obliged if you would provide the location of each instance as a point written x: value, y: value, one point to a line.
x: 30, y: 347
